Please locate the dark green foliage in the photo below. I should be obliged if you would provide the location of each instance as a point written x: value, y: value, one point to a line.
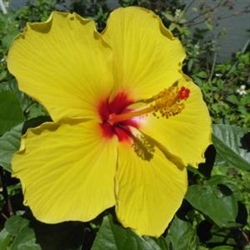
x: 215, y: 212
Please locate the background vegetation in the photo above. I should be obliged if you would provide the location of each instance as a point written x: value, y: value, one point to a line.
x: 215, y: 212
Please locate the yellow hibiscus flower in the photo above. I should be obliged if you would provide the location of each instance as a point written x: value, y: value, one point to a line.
x: 126, y: 120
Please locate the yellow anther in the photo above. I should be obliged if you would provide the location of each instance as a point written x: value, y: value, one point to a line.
x: 167, y: 103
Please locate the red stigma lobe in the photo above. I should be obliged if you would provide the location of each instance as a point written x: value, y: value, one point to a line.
x: 184, y: 93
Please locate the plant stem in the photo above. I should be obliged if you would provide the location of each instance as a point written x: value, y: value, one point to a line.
x: 213, y: 66
x: 3, y: 8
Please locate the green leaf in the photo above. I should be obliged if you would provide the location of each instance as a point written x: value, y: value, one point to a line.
x: 10, y: 111
x: 25, y: 240
x: 226, y: 140
x: 182, y: 235
x: 15, y: 224
x: 202, y: 74
x: 233, y: 99
x: 9, y: 144
x: 168, y: 16
x: 224, y: 180
x: 5, y: 239
x: 35, y: 110
x: 23, y: 236
x: 210, y: 200
x: 3, y: 75
x: 112, y: 236
x: 173, y: 26
x: 11, y: 85
x: 223, y: 248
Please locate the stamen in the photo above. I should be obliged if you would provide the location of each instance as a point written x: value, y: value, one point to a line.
x: 167, y: 103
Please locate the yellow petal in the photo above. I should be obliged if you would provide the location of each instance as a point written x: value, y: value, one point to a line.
x: 148, y: 192
x: 67, y: 171
x: 147, y: 58
x: 186, y: 135
x: 63, y: 63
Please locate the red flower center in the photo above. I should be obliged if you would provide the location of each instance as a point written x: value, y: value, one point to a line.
x: 118, y: 105
x: 118, y: 119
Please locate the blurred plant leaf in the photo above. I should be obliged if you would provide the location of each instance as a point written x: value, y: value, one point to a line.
x: 223, y: 248
x: 114, y: 237
x: 9, y: 144
x: 232, y: 98
x: 227, y: 141
x: 10, y: 111
x: 168, y: 16
x: 181, y: 235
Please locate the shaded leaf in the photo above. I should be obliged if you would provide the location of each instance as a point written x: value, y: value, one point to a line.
x: 23, y: 237
x: 10, y: 111
x: 25, y: 240
x: 5, y: 239
x: 63, y: 236
x: 15, y: 224
x: 25, y: 101
x: 233, y: 99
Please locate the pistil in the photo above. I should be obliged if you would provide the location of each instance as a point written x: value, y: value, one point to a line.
x: 116, y: 118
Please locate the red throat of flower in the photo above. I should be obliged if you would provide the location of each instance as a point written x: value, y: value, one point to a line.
x: 118, y: 118
x: 119, y: 105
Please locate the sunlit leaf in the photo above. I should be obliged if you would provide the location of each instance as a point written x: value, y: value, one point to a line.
x: 219, y: 206
x: 181, y: 235
x: 227, y: 141
x: 112, y: 236
x: 9, y: 144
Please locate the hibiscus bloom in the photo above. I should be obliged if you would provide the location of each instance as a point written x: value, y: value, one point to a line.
x: 126, y: 120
